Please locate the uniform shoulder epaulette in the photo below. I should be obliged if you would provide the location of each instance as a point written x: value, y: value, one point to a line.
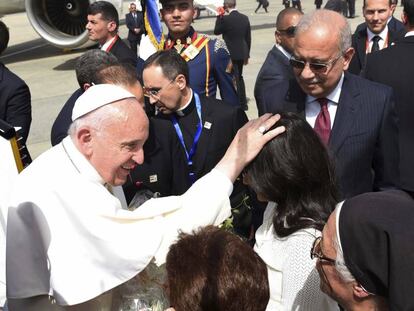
x: 220, y: 44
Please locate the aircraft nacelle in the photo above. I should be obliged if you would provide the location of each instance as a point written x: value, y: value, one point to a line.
x: 60, y: 22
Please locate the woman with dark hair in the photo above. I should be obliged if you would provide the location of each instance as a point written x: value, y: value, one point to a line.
x: 294, y: 174
x: 214, y: 270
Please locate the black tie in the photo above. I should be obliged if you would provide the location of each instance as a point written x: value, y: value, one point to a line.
x: 375, y: 45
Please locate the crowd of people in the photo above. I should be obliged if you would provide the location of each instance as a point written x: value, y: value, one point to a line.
x: 314, y: 197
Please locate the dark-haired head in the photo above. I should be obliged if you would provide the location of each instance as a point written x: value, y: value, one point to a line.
x: 4, y: 37
x: 213, y: 269
x: 409, y: 12
x: 90, y: 63
x: 171, y: 63
x: 106, y: 9
x: 294, y: 170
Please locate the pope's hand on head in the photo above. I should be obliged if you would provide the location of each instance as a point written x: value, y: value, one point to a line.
x: 247, y: 144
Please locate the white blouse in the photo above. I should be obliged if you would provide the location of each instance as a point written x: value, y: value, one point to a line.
x: 293, y: 279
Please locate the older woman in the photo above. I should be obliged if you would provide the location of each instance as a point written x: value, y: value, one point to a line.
x: 293, y: 173
x: 366, y: 256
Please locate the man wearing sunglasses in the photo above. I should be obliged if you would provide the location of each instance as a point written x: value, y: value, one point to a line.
x: 276, y: 66
x: 354, y: 117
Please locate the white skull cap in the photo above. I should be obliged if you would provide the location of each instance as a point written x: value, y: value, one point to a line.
x: 97, y: 96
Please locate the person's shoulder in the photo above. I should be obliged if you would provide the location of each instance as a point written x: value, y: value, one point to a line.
x: 217, y: 43
x: 218, y: 106
x: 366, y: 86
x: 9, y: 77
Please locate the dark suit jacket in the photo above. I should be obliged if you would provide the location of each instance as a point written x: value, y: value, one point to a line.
x: 15, y: 103
x: 64, y: 119
x: 364, y: 138
x: 133, y: 23
x: 275, y: 68
x: 123, y: 53
x: 359, y: 44
x: 236, y: 32
x: 395, y: 67
x: 162, y: 155
x: 221, y: 122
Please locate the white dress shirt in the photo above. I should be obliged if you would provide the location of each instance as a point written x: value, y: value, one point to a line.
x: 313, y: 107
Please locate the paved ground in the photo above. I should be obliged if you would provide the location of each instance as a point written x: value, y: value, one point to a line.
x: 50, y: 75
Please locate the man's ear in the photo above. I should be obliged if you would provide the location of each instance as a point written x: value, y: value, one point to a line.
x: 181, y: 81
x: 404, y: 18
x: 277, y: 37
x: 111, y: 26
x: 84, y: 141
x: 359, y: 291
x: 348, y: 57
x: 86, y: 86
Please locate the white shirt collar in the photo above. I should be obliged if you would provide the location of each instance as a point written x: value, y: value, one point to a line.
x: 81, y: 164
x: 232, y: 9
x: 281, y: 49
x: 107, y: 44
x: 333, y: 97
x: 383, y: 34
x: 179, y: 111
x: 409, y: 33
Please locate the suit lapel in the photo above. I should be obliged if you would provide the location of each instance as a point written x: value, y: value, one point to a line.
x: 361, y: 43
x: 345, y: 114
x: 295, y: 99
x: 203, y: 143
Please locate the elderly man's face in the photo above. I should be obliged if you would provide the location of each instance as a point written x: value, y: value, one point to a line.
x: 117, y: 144
x: 376, y: 13
x: 178, y: 16
x: 331, y: 282
x: 284, y: 36
x: 319, y: 45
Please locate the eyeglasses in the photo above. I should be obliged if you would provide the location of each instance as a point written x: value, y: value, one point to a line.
x: 154, y: 92
x: 290, y: 31
x: 315, y: 67
x: 316, y: 251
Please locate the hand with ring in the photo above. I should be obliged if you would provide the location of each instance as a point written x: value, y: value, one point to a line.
x: 247, y: 143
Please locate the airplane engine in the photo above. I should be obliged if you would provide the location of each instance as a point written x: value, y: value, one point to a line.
x: 60, y: 22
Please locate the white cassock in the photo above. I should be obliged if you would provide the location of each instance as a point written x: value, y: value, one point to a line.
x: 68, y: 237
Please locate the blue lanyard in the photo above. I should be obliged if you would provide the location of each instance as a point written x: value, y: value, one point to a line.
x: 193, y: 149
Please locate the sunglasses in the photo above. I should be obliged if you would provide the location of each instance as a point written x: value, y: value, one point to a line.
x: 290, y: 31
x: 316, y: 252
x: 315, y: 67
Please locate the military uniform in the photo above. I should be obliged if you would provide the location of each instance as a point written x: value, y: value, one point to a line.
x: 209, y: 64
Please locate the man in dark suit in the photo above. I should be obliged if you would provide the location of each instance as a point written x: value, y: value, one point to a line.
x: 87, y: 66
x: 204, y: 126
x: 375, y: 34
x: 235, y: 28
x: 15, y: 103
x: 102, y: 27
x: 276, y: 67
x: 135, y: 23
x: 353, y: 116
x: 395, y: 67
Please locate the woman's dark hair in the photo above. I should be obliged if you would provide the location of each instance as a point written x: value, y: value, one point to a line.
x: 294, y: 170
x: 214, y: 270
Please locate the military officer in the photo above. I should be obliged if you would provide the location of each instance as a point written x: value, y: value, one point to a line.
x: 208, y: 58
